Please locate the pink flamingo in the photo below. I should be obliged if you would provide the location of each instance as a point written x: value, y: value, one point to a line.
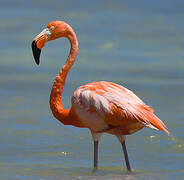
x: 103, y: 107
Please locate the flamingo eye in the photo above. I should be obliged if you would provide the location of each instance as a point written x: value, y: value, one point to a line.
x: 48, y: 33
x: 52, y: 28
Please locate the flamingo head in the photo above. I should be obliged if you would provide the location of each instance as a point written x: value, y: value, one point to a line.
x: 54, y: 30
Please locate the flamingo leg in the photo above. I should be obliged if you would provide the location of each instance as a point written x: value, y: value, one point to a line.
x: 95, y: 155
x: 121, y: 138
x: 126, y: 156
x: 96, y: 139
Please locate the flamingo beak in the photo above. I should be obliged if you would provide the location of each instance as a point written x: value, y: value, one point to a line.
x: 38, y: 43
x: 36, y: 52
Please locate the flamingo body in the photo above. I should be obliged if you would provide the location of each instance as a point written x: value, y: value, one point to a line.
x: 108, y: 107
x: 103, y: 107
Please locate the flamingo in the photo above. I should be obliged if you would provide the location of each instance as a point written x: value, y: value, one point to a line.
x: 102, y: 107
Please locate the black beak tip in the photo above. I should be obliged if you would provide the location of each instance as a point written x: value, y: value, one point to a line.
x: 36, y: 52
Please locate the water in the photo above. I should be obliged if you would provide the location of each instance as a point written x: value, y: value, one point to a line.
x: 136, y: 44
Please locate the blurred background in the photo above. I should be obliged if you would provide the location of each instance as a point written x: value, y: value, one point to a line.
x: 138, y: 44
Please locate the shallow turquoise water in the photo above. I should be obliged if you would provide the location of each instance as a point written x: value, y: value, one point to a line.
x: 138, y: 45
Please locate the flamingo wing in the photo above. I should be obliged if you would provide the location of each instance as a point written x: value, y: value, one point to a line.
x: 118, y: 107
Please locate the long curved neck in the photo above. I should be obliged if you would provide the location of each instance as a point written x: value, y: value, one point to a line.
x: 56, y: 105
